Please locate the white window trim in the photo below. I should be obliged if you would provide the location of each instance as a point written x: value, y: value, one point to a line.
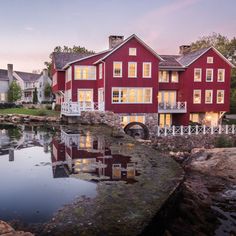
x: 160, y: 78
x: 209, y: 90
x: 208, y: 60
x: 129, y: 63
x: 100, y: 71
x: 130, y: 50
x: 195, y: 69
x: 218, y: 75
x: 128, y: 88
x: 121, y: 70
x: 177, y: 77
x: 150, y: 72
x: 84, y: 89
x: 69, y: 74
x: 95, y: 72
x: 212, y: 77
x: 223, y: 91
x: 197, y: 90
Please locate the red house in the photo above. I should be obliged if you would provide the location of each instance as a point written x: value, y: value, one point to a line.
x: 131, y: 79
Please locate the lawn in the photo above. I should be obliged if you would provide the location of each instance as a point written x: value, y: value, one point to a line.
x: 26, y: 111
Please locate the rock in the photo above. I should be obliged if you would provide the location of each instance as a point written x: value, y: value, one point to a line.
x: 5, y: 228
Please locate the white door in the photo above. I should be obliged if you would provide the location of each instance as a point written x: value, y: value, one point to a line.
x: 85, y: 98
x: 101, y: 99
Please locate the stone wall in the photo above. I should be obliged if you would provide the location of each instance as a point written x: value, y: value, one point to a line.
x: 151, y: 121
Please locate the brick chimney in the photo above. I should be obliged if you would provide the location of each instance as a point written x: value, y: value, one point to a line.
x: 114, y: 40
x: 10, y: 72
x: 184, y: 49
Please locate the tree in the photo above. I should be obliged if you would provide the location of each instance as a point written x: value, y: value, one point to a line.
x: 228, y: 48
x: 14, y: 92
x: 47, y: 90
x: 35, y: 96
x: 77, y: 49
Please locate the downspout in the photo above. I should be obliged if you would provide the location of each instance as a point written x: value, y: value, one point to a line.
x: 104, y: 96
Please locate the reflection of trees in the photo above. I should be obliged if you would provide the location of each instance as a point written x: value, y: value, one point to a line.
x: 13, y: 131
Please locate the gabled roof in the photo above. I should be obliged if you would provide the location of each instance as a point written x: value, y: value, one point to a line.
x: 124, y: 42
x: 86, y: 57
x: 187, y: 59
x: 170, y: 61
x: 28, y: 77
x: 3, y: 75
x: 63, y: 58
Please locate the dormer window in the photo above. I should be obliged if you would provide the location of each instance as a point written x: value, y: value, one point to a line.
x: 132, y: 51
x: 210, y: 60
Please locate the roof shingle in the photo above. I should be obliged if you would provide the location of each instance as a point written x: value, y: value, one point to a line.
x: 28, y: 76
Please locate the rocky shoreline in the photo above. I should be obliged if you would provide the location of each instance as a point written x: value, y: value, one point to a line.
x: 19, y: 118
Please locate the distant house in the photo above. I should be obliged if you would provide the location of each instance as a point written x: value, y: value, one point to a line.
x: 6, y: 76
x: 27, y: 81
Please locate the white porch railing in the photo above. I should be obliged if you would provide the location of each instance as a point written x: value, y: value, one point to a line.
x: 178, y: 107
x: 75, y: 108
x: 195, y: 130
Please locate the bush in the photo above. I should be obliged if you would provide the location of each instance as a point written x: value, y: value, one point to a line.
x: 46, y: 102
x: 48, y: 107
x: 223, y: 141
x: 7, y: 105
x: 57, y: 107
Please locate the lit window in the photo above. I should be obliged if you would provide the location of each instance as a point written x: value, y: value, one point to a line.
x: 174, y: 77
x: 208, y: 96
x: 117, y: 69
x: 221, y: 75
x: 196, y: 96
x: 220, y: 96
x: 127, y: 119
x: 163, y: 76
x: 131, y: 95
x: 85, y: 72
x: 100, y: 71
x: 132, y: 52
x: 3, y: 97
x: 197, y: 75
x: 132, y: 70
x: 209, y: 75
x: 194, y: 117
x: 165, y: 120
x: 209, y: 60
x: 147, y: 68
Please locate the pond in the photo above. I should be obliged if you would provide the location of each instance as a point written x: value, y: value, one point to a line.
x: 43, y: 169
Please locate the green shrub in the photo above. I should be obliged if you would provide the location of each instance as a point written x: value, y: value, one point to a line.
x: 42, y: 113
x: 48, y: 107
x: 223, y: 141
x: 57, y: 107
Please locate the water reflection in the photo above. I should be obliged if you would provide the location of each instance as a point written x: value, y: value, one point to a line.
x: 87, y: 157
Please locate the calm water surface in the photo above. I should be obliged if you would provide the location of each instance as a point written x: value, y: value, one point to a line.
x: 42, y: 170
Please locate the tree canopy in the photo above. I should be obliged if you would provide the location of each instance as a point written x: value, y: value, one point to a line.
x: 64, y: 48
x: 14, y: 92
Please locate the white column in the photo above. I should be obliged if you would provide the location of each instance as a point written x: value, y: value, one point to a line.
x: 226, y: 129
x: 220, y: 129
x: 181, y: 130
x: 165, y: 132
x: 196, y: 129
x: 233, y: 129
x: 173, y: 130
x: 204, y: 129
x: 189, y: 130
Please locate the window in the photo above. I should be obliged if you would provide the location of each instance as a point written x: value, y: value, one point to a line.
x: 221, y: 75
x: 84, y: 95
x: 131, y: 95
x: 117, y: 69
x: 196, y: 96
x: 194, y: 117
x: 165, y: 120
x: 68, y: 74
x: 100, y: 71
x: 132, y: 51
x: 208, y: 96
x: 85, y: 72
x: 174, y: 77
x: 209, y: 60
x: 3, y: 97
x: 127, y: 119
x: 220, y: 96
x: 209, y: 75
x: 163, y: 76
x: 132, y: 70
x: 197, y: 75
x: 147, y: 70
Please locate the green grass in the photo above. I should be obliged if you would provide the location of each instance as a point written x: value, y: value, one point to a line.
x: 33, y: 112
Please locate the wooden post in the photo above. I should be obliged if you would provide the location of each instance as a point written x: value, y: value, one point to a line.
x: 158, y: 131
x: 196, y: 129
x: 181, y: 130
x: 11, y: 154
x: 233, y: 129
x: 173, y: 130
x: 165, y: 132
x: 189, y: 130
x: 220, y: 129
x: 212, y: 129
x: 226, y: 129
x: 204, y: 129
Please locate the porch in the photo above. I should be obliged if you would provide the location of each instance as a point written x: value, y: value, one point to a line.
x: 178, y: 107
x: 75, y: 108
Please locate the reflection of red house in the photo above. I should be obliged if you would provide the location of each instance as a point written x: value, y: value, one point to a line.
x: 131, y: 79
x: 68, y: 158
